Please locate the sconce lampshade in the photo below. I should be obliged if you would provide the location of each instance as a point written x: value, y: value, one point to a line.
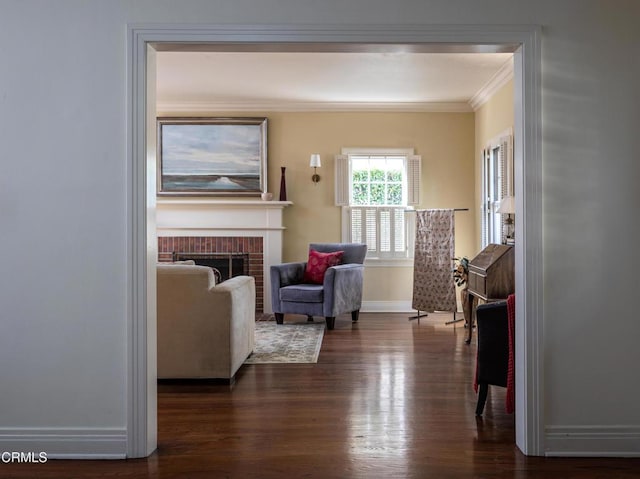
x: 507, y: 205
x: 315, y: 161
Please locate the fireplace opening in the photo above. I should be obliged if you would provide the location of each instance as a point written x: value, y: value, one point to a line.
x: 228, y: 264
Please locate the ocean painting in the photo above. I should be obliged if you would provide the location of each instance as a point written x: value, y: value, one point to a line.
x: 212, y: 156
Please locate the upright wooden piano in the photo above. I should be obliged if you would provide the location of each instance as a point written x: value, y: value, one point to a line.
x: 491, y: 277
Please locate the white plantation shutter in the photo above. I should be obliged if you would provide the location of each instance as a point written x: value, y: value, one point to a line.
x: 342, y: 180
x: 383, y: 229
x: 502, y: 154
x: 506, y: 183
x: 414, y: 163
x: 386, y: 227
x: 507, y: 146
x: 399, y: 230
x: 370, y: 235
x: 356, y: 216
x: 484, y: 204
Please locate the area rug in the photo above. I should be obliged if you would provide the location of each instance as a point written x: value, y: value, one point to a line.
x: 286, y: 343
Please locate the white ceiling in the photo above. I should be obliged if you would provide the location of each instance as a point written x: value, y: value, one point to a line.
x: 307, y: 80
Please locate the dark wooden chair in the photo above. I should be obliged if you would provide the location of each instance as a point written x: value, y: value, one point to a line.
x: 493, y: 349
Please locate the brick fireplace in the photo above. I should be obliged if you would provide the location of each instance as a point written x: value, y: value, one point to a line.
x: 234, y: 226
x: 202, y: 248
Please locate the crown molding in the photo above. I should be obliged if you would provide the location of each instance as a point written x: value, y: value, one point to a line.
x: 311, y: 106
x: 501, y: 77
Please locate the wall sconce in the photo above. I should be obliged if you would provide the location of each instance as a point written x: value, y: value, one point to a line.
x: 315, y: 163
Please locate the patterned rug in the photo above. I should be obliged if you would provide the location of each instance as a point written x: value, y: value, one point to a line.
x: 287, y: 343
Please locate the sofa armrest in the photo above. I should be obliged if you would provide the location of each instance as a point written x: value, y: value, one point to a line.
x: 234, y: 298
x: 343, y: 289
x: 234, y: 295
x: 237, y: 282
x: 234, y: 314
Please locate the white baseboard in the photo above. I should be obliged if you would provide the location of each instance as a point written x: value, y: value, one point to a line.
x: 592, y: 441
x: 391, y: 307
x: 66, y: 443
x: 386, y: 307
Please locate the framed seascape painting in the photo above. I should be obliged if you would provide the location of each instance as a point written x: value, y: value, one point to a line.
x: 212, y: 156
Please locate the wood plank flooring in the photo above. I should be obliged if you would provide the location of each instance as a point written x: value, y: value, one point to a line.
x: 388, y: 398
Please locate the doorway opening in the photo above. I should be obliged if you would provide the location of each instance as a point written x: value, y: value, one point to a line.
x: 523, y: 41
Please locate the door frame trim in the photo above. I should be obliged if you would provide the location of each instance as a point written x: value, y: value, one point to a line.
x: 523, y: 40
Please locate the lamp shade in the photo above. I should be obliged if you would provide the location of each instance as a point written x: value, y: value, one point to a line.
x: 507, y: 205
x: 315, y: 161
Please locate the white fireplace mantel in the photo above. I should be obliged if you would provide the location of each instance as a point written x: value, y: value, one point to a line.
x: 227, y: 217
x: 219, y: 214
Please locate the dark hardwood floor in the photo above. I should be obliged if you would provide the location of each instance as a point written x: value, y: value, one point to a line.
x: 388, y: 398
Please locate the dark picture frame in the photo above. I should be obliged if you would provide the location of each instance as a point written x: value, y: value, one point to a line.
x: 212, y: 156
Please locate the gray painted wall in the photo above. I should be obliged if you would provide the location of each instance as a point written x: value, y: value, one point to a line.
x: 63, y: 180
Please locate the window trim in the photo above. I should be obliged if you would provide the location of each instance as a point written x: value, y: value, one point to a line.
x: 378, y: 151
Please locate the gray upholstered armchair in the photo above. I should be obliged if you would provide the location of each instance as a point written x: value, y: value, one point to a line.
x: 340, y: 291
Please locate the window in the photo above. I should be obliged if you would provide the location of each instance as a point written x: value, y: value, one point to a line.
x: 497, y: 183
x: 375, y: 189
x: 377, y: 180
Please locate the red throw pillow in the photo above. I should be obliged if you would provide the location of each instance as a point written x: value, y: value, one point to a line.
x: 318, y: 264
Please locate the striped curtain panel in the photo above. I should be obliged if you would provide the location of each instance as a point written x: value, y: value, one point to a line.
x: 433, y: 285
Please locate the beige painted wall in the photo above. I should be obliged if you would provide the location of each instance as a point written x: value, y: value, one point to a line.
x: 492, y: 118
x: 444, y: 140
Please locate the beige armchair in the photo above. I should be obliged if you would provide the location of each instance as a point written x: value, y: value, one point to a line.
x: 205, y: 330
